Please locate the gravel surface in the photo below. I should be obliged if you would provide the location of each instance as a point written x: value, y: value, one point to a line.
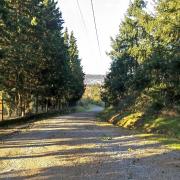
x: 78, y: 147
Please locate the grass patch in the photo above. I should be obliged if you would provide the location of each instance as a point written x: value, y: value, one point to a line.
x: 107, y: 114
x: 163, y: 125
x: 172, y: 143
x: 165, y: 128
x: 129, y: 120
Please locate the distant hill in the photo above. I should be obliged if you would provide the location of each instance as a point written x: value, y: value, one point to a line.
x: 91, y: 79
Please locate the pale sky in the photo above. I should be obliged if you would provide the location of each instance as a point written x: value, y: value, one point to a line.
x: 109, y: 14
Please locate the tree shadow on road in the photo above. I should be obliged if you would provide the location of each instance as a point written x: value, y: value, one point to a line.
x: 81, y: 149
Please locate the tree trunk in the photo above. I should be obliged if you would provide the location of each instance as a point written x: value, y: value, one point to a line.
x: 23, y: 106
x: 46, y: 105
x: 37, y: 104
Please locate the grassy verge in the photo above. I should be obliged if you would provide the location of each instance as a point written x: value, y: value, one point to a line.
x: 170, y: 142
x: 163, y: 128
x: 41, y: 116
x: 32, y: 118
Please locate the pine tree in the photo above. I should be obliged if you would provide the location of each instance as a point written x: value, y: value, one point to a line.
x: 77, y: 80
x: 126, y: 55
x: 35, y: 61
x: 145, y: 56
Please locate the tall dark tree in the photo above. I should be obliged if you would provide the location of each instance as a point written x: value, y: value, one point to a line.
x: 145, y: 56
x: 34, y: 57
x: 77, y: 80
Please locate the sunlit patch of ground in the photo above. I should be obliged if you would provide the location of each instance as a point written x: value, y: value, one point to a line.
x: 171, y: 143
x: 79, y: 147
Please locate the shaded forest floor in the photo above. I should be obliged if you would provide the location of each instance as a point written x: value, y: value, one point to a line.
x: 78, y: 146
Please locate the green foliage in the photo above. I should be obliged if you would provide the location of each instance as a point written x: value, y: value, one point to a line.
x: 144, y: 77
x: 146, y: 56
x: 35, y: 62
x: 76, y: 76
x: 107, y: 114
x: 34, y: 21
x: 172, y: 143
x: 163, y: 123
x: 92, y: 95
x: 45, y: 2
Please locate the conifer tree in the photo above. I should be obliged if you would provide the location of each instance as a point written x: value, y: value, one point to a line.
x: 35, y: 61
x: 145, y: 56
x: 77, y: 80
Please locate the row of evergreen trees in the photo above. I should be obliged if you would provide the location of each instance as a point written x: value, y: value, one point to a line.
x: 39, y: 63
x: 145, y: 56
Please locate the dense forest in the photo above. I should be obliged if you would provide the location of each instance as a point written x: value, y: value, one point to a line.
x: 145, y: 71
x: 40, y: 67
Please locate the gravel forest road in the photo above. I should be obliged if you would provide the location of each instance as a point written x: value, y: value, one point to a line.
x: 79, y: 147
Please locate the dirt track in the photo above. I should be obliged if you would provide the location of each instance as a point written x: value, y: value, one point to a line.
x: 79, y: 147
